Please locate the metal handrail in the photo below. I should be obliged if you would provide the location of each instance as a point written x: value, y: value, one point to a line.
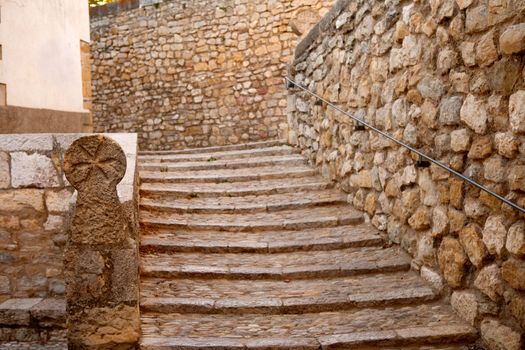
x: 291, y: 83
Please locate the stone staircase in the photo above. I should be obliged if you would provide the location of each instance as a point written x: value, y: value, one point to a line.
x: 247, y: 247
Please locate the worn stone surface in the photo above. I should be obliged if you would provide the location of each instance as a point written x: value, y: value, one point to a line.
x: 489, y: 282
x: 512, y: 40
x: 513, y: 272
x: 500, y: 337
x: 452, y: 260
x: 101, y: 268
x: 517, y: 111
x: 474, y: 114
x: 516, y: 239
x: 472, y: 306
x: 207, y: 278
x: 94, y: 165
x: 494, y: 234
x: 470, y: 238
x: 34, y: 169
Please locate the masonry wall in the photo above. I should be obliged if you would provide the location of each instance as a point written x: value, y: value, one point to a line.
x: 36, y: 203
x: 448, y: 78
x: 195, y: 73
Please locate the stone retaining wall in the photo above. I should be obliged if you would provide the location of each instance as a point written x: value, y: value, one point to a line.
x: 36, y: 202
x: 195, y: 73
x: 447, y: 77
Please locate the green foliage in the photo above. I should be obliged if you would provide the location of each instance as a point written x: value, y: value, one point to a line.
x: 93, y: 3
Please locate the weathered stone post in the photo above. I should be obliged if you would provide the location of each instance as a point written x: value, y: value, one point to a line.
x: 101, y: 259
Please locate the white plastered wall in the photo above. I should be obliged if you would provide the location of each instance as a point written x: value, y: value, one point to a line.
x: 41, y: 52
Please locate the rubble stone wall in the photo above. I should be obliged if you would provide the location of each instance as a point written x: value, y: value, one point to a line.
x: 194, y: 73
x: 36, y: 202
x: 446, y: 77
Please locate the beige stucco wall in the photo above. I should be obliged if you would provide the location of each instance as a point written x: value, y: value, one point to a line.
x: 41, y: 52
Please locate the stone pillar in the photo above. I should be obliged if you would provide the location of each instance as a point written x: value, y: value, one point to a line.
x: 101, y: 258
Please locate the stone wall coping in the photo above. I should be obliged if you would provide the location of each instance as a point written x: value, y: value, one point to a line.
x: 61, y: 142
x: 320, y: 27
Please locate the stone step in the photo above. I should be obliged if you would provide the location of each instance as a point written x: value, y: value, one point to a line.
x: 288, y: 160
x: 34, y: 312
x: 248, y: 188
x: 229, y: 175
x: 326, y: 216
x: 339, y: 237
x: 279, y: 266
x: 218, y: 155
x: 245, y: 204
x: 386, y: 326
x: 242, y: 146
x: 296, y: 296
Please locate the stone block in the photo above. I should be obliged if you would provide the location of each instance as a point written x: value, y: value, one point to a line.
x: 516, y: 178
x: 500, y: 337
x: 50, y: 312
x: 26, y: 142
x: 35, y: 170
x: 472, y: 306
x: 460, y: 140
x: 513, y: 272
x: 495, y: 234
x: 431, y: 87
x: 506, y: 144
x: 481, y: 148
x: 517, y: 111
x: 5, y: 285
x: 452, y: 260
x: 490, y: 283
x: 432, y: 277
x: 494, y: 169
x: 54, y: 223
x: 476, y: 19
x: 58, y: 201
x: 486, y: 51
x: 516, y: 239
x: 474, y: 114
x: 512, y: 40
x: 449, y: 110
x: 103, y: 327
x: 23, y: 199
x: 5, y: 176
x: 470, y: 238
x: 16, y: 312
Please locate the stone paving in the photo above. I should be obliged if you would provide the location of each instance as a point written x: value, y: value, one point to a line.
x: 240, y: 251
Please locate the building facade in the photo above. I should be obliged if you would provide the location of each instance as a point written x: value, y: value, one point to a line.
x: 45, y: 74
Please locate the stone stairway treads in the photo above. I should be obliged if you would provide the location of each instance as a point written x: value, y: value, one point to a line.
x: 339, y: 237
x: 218, y: 155
x: 247, y: 247
x: 294, y: 296
x: 293, y: 159
x: 426, y: 323
x: 206, y: 150
x: 230, y: 175
x: 244, y: 203
x: 248, y: 188
x: 301, y: 218
x: 309, y: 264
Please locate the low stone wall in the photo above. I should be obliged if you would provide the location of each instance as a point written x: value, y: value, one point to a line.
x: 195, y: 73
x: 446, y: 77
x: 36, y: 203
